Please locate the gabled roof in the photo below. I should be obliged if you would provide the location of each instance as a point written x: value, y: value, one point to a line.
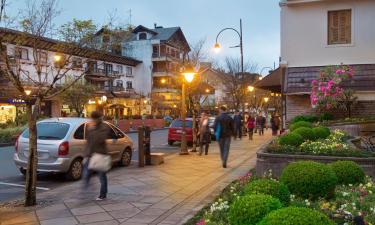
x: 271, y: 82
x: 164, y: 34
x: 141, y: 28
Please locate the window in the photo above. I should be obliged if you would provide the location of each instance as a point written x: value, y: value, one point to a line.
x: 129, y: 85
x: 42, y: 57
x: 119, y: 69
x: 49, y: 131
x: 21, y: 53
x: 340, y: 27
x: 108, y: 68
x: 79, y: 134
x: 119, y: 83
x: 129, y: 71
x: 111, y: 134
x: 118, y: 132
x: 142, y: 36
x: 76, y: 62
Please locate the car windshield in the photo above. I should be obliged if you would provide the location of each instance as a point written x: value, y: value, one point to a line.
x: 49, y: 131
x: 178, y: 123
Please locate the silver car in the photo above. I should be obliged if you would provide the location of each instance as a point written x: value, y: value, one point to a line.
x: 61, y: 143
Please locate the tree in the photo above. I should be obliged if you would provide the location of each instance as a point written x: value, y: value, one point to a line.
x: 80, y: 32
x: 347, y: 101
x: 42, y: 83
x: 77, y: 95
x: 2, y: 9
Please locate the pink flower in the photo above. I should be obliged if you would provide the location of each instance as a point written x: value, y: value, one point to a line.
x: 201, y: 222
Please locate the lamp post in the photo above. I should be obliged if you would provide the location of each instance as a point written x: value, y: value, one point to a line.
x: 217, y: 46
x: 188, y: 76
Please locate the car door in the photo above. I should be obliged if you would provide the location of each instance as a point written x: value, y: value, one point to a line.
x: 78, y: 142
x: 113, y: 143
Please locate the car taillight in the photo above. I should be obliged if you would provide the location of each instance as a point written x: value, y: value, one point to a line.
x: 16, y: 145
x: 63, y: 148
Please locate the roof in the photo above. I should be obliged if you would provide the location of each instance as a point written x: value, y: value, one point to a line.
x: 271, y: 82
x: 141, y: 28
x: 48, y: 44
x: 71, y: 120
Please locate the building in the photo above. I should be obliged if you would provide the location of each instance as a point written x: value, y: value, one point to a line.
x: 317, y: 33
x: 111, y: 74
x: 162, y: 51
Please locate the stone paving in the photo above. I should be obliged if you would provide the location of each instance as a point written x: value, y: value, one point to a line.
x: 168, y: 194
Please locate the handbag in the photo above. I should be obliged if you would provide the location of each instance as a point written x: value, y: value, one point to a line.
x: 218, y: 131
x: 100, y: 162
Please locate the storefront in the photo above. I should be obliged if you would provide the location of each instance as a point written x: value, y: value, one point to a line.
x: 10, y: 109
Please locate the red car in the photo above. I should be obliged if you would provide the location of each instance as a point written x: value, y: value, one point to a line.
x: 175, y: 131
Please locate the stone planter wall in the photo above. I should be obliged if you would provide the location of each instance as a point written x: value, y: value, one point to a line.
x: 277, y: 162
x: 359, y: 129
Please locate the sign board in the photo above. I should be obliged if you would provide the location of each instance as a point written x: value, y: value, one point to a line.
x: 271, y: 109
x: 16, y: 101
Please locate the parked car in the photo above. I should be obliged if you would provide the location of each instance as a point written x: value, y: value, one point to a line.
x: 211, y: 121
x: 61, y: 143
x: 175, y: 131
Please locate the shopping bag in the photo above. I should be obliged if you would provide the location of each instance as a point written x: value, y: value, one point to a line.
x: 100, y: 162
x: 217, y: 131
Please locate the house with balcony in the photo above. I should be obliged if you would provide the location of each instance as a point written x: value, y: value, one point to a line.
x: 162, y: 51
x: 111, y: 74
x: 318, y: 33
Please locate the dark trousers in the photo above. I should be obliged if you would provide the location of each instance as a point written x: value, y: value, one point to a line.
x: 251, y: 132
x: 205, y: 146
x: 261, y: 130
x: 224, y: 144
x: 102, y: 177
x: 238, y: 132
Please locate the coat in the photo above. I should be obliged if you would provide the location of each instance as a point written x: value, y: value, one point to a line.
x: 96, y: 139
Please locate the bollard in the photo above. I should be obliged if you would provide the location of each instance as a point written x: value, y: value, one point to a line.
x: 141, y: 150
x: 148, y: 145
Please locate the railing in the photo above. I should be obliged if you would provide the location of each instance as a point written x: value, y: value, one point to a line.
x: 157, y: 55
x: 113, y: 88
x: 102, y: 72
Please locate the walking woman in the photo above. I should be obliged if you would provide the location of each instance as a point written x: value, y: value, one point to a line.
x: 204, y: 134
x: 250, y: 126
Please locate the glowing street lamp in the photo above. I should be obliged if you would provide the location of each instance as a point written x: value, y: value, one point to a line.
x: 163, y: 81
x: 57, y: 58
x: 207, y: 90
x: 250, y: 88
x: 27, y: 92
x: 217, y: 47
x: 266, y: 99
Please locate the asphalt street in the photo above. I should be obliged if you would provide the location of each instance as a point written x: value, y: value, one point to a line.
x: 12, y: 181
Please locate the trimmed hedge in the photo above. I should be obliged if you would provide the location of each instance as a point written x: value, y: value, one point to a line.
x: 251, y: 209
x: 306, y: 133
x: 299, y: 124
x: 296, y: 216
x: 292, y: 139
x: 348, y: 172
x: 7, y: 135
x: 269, y: 187
x: 308, y: 179
x: 321, y: 132
x: 307, y: 118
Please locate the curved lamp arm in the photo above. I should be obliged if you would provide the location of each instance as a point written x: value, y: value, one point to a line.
x: 229, y: 28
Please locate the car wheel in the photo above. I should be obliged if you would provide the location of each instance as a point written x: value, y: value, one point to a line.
x: 23, y: 171
x: 75, y: 170
x: 170, y: 142
x: 126, y: 158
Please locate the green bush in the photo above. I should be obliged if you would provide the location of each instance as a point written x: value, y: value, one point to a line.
x: 321, y: 132
x: 269, y: 187
x: 299, y: 124
x: 250, y: 209
x: 306, y: 133
x: 325, y: 117
x: 307, y: 118
x: 348, y: 172
x: 309, y: 179
x: 292, y: 139
x: 7, y: 135
x: 296, y: 216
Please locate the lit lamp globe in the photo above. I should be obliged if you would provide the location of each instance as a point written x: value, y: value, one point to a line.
x: 189, y: 73
x: 250, y: 88
x: 217, y: 47
x: 266, y: 99
x: 27, y: 92
x: 57, y: 58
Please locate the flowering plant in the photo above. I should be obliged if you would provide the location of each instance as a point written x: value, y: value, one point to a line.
x: 326, y: 89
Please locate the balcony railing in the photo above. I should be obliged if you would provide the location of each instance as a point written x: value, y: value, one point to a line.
x: 102, y: 72
x: 164, y: 55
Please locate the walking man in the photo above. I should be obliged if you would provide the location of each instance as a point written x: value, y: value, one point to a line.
x: 238, y: 125
x: 224, y: 127
x: 204, y: 134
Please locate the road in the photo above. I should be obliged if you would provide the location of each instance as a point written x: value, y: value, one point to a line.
x: 10, y: 176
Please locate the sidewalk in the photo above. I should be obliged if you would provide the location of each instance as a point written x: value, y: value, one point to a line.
x: 168, y: 194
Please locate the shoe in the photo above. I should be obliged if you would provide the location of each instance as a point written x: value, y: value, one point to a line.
x: 100, y: 198
x: 224, y: 166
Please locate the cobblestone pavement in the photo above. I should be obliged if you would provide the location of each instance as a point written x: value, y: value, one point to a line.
x: 168, y: 194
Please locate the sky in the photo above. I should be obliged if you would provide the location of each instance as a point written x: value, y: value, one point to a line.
x: 197, y: 18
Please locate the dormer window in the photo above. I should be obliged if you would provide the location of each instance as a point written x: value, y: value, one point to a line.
x: 142, y: 36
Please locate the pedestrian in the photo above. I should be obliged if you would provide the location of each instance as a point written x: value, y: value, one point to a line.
x: 238, y: 125
x: 275, y: 124
x: 260, y: 122
x: 97, y: 133
x: 250, y: 126
x: 204, y: 134
x: 224, y: 128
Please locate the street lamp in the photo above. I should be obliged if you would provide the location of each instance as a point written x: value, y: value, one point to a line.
x: 207, y: 90
x: 250, y: 88
x: 27, y: 92
x: 266, y: 99
x: 57, y: 58
x: 188, y: 74
x: 163, y: 81
x: 217, y: 46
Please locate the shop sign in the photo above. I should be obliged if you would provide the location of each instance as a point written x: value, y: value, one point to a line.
x: 16, y: 101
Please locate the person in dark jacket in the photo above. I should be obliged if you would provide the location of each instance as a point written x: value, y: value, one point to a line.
x: 204, y: 134
x: 97, y: 133
x: 225, y: 124
x: 238, y: 125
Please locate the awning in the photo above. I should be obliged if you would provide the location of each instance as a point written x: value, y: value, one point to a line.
x: 271, y: 82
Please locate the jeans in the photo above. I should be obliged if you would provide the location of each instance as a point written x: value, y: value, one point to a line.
x: 238, y: 132
x: 102, y: 177
x: 224, y: 144
x: 206, y: 146
x: 251, y: 132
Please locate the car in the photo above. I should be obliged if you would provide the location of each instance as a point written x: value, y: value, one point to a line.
x: 211, y: 121
x: 61, y: 143
x: 175, y: 131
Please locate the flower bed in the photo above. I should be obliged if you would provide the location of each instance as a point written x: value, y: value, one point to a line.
x: 344, y: 204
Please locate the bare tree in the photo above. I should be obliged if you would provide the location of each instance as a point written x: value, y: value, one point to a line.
x: 42, y: 82
x: 2, y: 9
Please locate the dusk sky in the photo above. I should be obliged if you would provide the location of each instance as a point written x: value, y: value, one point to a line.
x: 197, y: 18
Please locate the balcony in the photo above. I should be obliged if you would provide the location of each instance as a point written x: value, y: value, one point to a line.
x: 165, y: 57
x: 103, y: 73
x: 114, y: 88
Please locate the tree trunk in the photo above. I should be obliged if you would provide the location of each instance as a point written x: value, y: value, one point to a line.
x: 31, y: 172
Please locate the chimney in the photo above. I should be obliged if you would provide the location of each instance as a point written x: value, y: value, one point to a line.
x: 155, y: 25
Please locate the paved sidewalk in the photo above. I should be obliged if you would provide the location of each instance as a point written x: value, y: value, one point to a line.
x: 168, y: 194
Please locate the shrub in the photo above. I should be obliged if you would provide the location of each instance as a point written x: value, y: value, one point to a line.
x: 307, y: 118
x: 292, y: 139
x: 309, y: 179
x: 325, y: 117
x: 348, y: 172
x: 299, y: 124
x: 306, y: 133
x: 7, y: 135
x: 250, y: 209
x: 269, y: 187
x: 321, y: 132
x: 296, y: 216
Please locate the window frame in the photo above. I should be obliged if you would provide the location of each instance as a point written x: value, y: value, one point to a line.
x: 327, y: 26
x: 142, y: 33
x: 129, y: 71
x: 129, y: 87
x: 18, y: 53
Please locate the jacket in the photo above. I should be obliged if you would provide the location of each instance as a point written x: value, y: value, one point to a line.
x: 226, y: 124
x: 96, y: 139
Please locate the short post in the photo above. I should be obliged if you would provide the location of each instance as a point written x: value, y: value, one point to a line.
x: 141, y: 149
x: 148, y: 145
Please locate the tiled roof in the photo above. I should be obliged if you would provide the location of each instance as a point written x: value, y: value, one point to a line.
x: 164, y: 34
x: 271, y: 82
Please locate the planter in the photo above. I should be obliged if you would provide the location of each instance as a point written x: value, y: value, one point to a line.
x: 277, y: 162
x: 357, y: 129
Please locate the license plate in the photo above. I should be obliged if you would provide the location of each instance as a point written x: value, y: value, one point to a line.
x: 178, y: 131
